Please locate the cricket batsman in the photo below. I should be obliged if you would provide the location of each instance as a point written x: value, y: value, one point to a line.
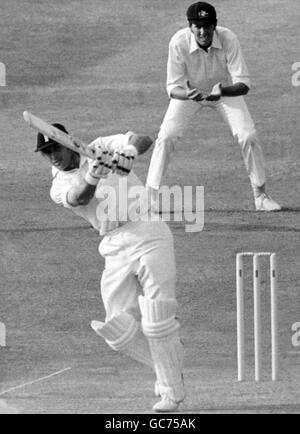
x: 138, y: 282
x: 206, y: 70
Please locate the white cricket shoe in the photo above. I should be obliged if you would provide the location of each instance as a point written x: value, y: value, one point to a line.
x: 264, y: 202
x: 166, y: 405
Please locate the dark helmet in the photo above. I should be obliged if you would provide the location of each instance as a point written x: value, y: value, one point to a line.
x: 44, y: 142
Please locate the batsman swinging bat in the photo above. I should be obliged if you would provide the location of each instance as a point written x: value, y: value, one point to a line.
x: 59, y: 136
x: 71, y: 142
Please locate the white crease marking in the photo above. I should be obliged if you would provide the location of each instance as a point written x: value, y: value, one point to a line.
x: 35, y: 381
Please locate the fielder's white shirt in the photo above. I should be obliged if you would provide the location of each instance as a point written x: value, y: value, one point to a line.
x: 223, y: 62
x: 117, y: 199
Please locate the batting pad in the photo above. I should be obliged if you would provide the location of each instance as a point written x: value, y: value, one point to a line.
x: 123, y: 333
x: 158, y: 317
x: 161, y: 328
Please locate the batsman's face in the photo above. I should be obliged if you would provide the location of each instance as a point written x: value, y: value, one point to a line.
x: 61, y: 157
x: 203, y: 33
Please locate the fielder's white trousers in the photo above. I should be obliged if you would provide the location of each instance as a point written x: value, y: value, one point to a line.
x: 235, y: 113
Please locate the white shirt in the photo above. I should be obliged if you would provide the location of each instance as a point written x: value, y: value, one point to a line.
x: 103, y: 213
x: 222, y: 63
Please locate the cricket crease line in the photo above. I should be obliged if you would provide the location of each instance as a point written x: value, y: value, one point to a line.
x: 35, y: 381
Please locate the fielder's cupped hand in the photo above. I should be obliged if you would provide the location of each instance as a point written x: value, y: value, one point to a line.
x: 194, y: 94
x: 216, y: 93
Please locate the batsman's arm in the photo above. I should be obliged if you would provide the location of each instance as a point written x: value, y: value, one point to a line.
x: 81, y: 194
x: 119, y: 142
x: 122, y: 150
x: 64, y: 193
x: 179, y: 93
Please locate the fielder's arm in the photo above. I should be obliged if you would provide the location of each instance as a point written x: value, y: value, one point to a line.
x: 188, y: 93
x: 237, y: 89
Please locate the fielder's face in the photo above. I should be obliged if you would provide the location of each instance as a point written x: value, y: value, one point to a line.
x: 203, y: 33
x: 61, y: 157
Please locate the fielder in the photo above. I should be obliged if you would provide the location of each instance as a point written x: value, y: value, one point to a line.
x: 138, y: 282
x: 206, y: 69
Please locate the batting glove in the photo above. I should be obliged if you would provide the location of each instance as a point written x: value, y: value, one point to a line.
x: 122, y: 162
x: 99, y: 149
x: 98, y: 169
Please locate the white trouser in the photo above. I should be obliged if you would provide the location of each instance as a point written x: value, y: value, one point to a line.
x: 139, y: 259
x: 178, y: 116
x: 138, y: 292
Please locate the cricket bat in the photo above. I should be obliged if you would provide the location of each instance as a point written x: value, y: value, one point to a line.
x: 73, y: 143
x: 59, y: 136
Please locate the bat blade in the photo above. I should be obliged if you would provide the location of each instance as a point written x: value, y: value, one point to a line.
x: 59, y: 136
x: 142, y: 144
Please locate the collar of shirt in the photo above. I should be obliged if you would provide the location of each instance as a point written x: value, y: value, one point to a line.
x: 215, y: 43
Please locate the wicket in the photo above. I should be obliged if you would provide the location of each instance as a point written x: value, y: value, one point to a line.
x: 257, y: 314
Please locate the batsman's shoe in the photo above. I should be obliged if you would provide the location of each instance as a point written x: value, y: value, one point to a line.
x: 266, y: 203
x: 166, y: 405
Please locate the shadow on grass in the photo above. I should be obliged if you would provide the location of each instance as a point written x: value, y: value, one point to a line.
x: 50, y: 229
x: 290, y: 209
x: 223, y: 227
x: 253, y: 211
x: 278, y: 408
